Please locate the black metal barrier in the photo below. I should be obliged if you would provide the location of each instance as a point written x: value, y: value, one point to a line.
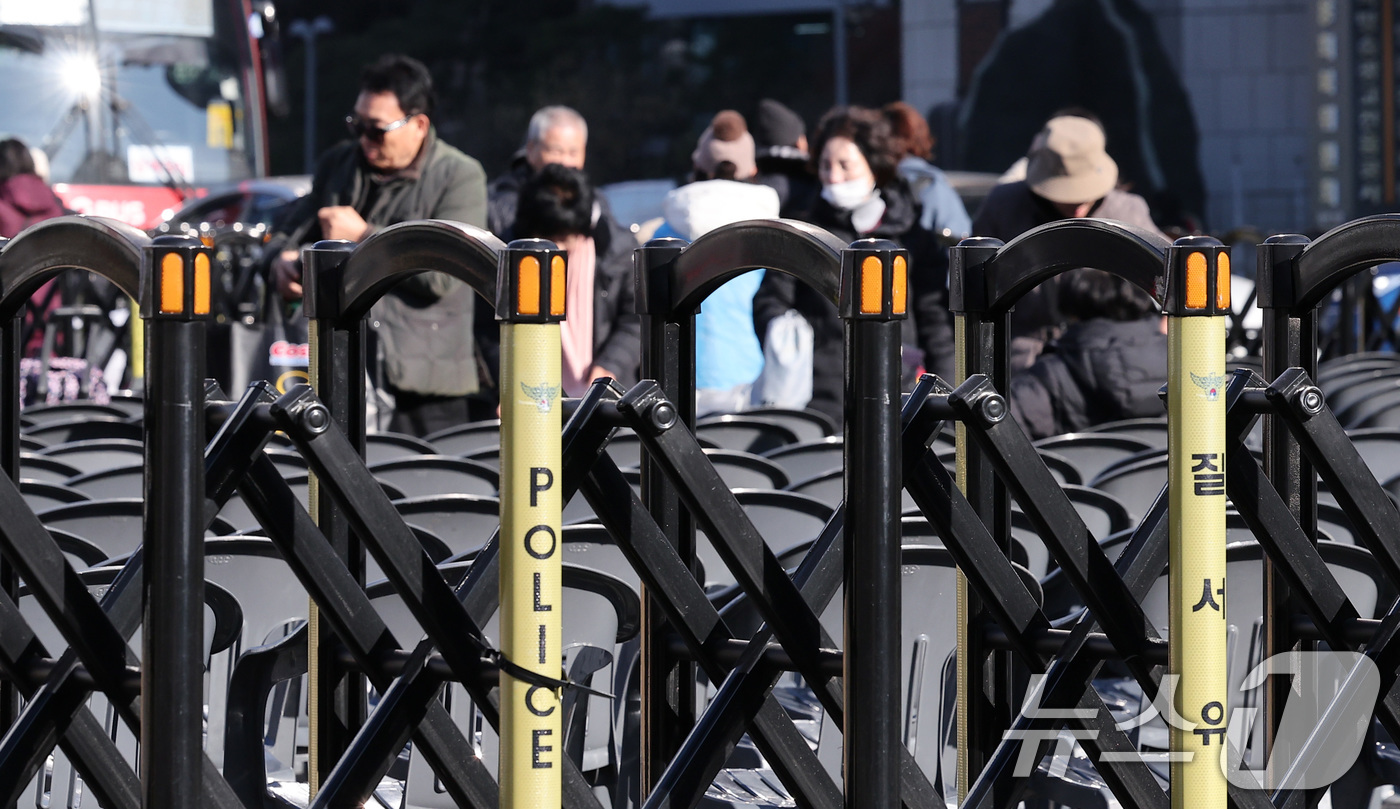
x: 1005, y: 632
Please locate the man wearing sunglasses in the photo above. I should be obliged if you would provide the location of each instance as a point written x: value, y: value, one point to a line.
x: 396, y: 170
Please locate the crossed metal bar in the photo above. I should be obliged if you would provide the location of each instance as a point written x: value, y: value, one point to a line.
x: 349, y: 611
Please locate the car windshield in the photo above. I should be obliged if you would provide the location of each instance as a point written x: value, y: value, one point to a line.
x: 142, y: 106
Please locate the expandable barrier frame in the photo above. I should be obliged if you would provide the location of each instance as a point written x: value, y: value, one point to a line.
x: 349, y: 644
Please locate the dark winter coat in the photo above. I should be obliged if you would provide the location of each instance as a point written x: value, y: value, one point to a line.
x: 617, y: 331
x: 424, y: 322
x: 1012, y: 209
x: 929, y: 326
x: 1098, y: 371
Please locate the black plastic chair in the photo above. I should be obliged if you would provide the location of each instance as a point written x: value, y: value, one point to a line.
x: 745, y: 470
x: 745, y: 433
x: 1153, y: 431
x: 1380, y: 448
x: 830, y: 487
x: 43, y: 496
x: 42, y: 467
x: 463, y: 522
x: 809, y: 425
x: 784, y: 520
x: 385, y: 446
x: 810, y: 458
x: 1136, y: 486
x: 113, y: 525
x: 423, y: 475
x: 118, y: 481
x: 84, y: 428
x: 1091, y: 453
x: 65, y: 411
x: 463, y: 439
x: 90, y: 456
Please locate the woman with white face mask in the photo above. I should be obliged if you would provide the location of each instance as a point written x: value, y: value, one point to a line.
x: 862, y: 197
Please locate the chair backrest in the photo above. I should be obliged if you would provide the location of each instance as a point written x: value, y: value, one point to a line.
x: 465, y: 438
x: 1153, y: 431
x: 589, y: 546
x: 423, y: 475
x: 809, y: 458
x: 490, y: 456
x: 118, y: 481
x: 745, y: 470
x: 809, y: 425
x: 84, y: 428
x: 65, y: 411
x: 43, y: 496
x: 745, y: 433
x: 784, y: 519
x: 1348, y: 401
x: 112, y: 525
x: 830, y: 487
x: 1136, y: 486
x: 1092, y: 452
x: 1380, y: 448
x: 599, y: 614
x: 33, y: 466
x: 386, y: 446
x: 463, y: 522
x: 1377, y: 412
x: 95, y: 454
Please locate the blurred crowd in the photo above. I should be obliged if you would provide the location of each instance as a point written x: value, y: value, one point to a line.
x: 1088, y: 346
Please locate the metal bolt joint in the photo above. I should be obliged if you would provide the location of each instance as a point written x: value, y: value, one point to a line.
x: 663, y: 416
x: 993, y: 408
x: 316, y: 419
x: 1309, y: 400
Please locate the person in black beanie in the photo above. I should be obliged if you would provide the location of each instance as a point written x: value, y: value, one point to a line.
x: 780, y: 136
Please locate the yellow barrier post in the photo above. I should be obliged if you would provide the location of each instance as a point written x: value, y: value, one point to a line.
x: 530, y: 305
x: 1197, y: 299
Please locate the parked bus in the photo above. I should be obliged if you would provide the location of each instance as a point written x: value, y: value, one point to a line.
x: 140, y: 105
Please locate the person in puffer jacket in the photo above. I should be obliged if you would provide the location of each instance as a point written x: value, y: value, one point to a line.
x: 728, y: 357
x: 25, y: 198
x: 1107, y: 366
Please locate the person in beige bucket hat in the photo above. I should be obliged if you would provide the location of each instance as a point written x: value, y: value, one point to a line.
x: 1068, y: 175
x: 1068, y: 163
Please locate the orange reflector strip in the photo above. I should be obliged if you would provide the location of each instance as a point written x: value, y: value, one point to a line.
x: 1222, y: 281
x: 201, y: 283
x: 172, y: 284
x: 1196, y: 281
x: 556, y: 285
x: 900, y: 288
x: 527, y: 286
x: 872, y: 285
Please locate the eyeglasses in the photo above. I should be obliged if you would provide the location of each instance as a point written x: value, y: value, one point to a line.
x: 374, y: 132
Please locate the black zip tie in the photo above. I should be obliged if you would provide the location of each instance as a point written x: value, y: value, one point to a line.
x: 535, y: 678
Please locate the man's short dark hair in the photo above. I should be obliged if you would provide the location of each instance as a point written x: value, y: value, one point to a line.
x: 556, y: 202
x: 407, y: 78
x: 1086, y: 294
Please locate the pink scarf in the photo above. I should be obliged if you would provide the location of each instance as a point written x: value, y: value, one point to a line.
x: 576, y: 332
